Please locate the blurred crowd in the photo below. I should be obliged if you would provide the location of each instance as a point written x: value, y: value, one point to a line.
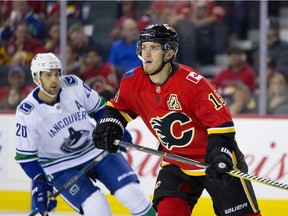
x: 207, y: 30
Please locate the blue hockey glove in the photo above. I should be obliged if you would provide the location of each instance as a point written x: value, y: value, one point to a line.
x: 126, y: 138
x: 41, y: 189
x: 220, y: 160
x: 52, y: 202
x: 106, y: 131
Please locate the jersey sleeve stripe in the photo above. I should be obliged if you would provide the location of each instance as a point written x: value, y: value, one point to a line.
x: 99, y: 105
x: 221, y: 130
x: 47, y: 162
x: 26, y: 152
x: 24, y: 158
x: 127, y: 117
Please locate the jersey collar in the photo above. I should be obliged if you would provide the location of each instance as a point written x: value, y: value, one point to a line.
x: 36, y: 97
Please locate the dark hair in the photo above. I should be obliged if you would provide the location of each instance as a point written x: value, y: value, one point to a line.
x: 235, y: 49
x: 274, y: 23
x: 271, y: 63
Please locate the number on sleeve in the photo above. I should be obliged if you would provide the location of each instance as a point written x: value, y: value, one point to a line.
x: 217, y: 100
x: 21, y: 130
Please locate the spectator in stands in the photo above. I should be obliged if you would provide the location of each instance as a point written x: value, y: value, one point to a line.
x: 277, y: 95
x: 271, y: 71
x: 277, y: 48
x: 16, y: 80
x: 200, y: 26
x: 243, y: 101
x: 211, y: 34
x: 122, y: 53
x: 99, y: 75
x: 37, y: 7
x: 21, y: 11
x: 11, y: 99
x: 129, y: 9
x: 21, y: 48
x: 52, y: 41
x: 238, y: 71
x: 73, y: 64
x: 73, y: 12
x: 5, y: 11
x: 237, y: 15
x: 81, y: 42
x: 169, y: 12
x: 176, y: 14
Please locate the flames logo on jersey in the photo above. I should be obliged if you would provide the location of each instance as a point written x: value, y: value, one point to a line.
x: 77, y: 140
x: 173, y: 130
x: 173, y: 103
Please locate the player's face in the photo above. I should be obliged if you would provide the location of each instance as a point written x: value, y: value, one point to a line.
x: 152, y: 53
x: 51, y: 81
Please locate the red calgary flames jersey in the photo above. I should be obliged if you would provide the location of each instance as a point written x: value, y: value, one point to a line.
x: 180, y: 113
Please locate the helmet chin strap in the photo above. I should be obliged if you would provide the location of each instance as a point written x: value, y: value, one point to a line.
x: 50, y: 95
x: 42, y: 89
x: 159, y: 68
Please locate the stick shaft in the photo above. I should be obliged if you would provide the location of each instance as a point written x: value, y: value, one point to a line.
x: 80, y: 173
x: 178, y: 158
x: 75, y: 178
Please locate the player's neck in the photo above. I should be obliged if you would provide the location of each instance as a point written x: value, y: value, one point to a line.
x: 47, y: 99
x: 162, y: 76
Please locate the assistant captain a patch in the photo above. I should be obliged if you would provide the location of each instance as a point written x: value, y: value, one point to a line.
x: 194, y: 77
x: 173, y: 103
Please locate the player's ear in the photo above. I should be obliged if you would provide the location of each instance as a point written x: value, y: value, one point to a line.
x: 35, y: 77
x: 243, y: 57
x: 170, y: 54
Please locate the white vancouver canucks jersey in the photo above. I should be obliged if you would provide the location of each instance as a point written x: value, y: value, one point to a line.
x: 59, y: 136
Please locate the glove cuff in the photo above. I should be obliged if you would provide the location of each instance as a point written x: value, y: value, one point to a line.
x: 219, y: 150
x: 112, y: 120
x: 40, y: 176
x: 226, y: 151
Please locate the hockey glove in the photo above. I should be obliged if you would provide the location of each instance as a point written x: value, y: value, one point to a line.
x: 106, y: 131
x: 220, y: 160
x: 52, y: 202
x: 41, y: 189
x: 126, y: 138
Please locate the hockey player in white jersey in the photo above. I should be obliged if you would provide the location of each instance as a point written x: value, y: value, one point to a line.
x: 53, y: 143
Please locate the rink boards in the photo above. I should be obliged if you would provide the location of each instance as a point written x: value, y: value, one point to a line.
x: 263, y: 141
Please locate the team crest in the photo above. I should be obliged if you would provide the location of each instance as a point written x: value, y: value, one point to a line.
x: 173, y: 103
x: 174, y: 130
x: 26, y: 107
x: 77, y: 140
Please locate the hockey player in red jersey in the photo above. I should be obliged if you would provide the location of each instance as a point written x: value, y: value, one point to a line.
x: 188, y: 116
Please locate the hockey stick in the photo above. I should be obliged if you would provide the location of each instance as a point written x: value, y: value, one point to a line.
x: 74, y: 178
x: 178, y: 158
